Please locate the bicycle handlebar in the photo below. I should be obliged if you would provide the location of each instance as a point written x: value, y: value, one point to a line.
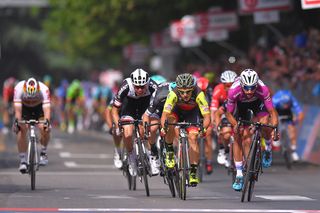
x: 134, y: 122
x: 32, y: 122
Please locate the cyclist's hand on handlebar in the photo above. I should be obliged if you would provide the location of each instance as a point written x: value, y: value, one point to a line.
x: 16, y: 126
x: 46, y: 125
x: 203, y: 132
x: 163, y: 132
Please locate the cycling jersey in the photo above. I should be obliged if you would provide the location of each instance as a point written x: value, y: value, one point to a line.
x: 236, y: 96
x: 74, y: 92
x: 129, y: 103
x: 158, y: 99
x: 197, y: 99
x: 8, y: 91
x: 284, y: 97
x: 22, y: 99
x: 102, y: 93
x: 219, y: 96
x: 127, y: 90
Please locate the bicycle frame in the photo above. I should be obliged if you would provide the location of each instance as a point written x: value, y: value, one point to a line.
x: 142, y: 158
x: 33, y: 153
x: 254, y: 159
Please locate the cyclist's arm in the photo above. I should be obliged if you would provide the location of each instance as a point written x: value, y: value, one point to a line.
x: 297, y: 110
x: 17, y: 100
x: 204, y: 109
x: 217, y: 116
x: 168, y: 106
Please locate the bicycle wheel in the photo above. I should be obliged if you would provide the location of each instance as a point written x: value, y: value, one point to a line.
x: 184, y: 172
x: 177, y: 180
x: 202, y: 163
x: 232, y: 169
x: 286, y: 150
x: 32, y: 166
x: 143, y: 163
x: 254, y: 176
x: 249, y: 169
x: 170, y: 181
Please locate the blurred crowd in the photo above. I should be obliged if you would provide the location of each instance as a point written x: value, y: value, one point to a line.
x: 291, y: 62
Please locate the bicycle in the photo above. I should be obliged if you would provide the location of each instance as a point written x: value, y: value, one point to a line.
x: 132, y: 180
x: 142, y: 162
x: 33, y: 155
x: 183, y: 162
x: 169, y: 175
x: 254, y: 159
x: 286, y: 150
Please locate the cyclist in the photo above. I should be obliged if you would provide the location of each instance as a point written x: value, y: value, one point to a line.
x: 289, y: 108
x: 75, y: 103
x: 153, y: 115
x: 115, y: 135
x: 186, y: 103
x: 130, y: 103
x: 7, y: 97
x: 101, y: 96
x: 218, y: 108
x: 61, y: 94
x: 250, y: 93
x: 159, y: 79
x: 203, y: 84
x: 32, y: 101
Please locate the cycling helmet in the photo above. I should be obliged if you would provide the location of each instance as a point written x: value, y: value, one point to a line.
x: 159, y: 79
x: 172, y: 85
x: 228, y: 76
x: 139, y: 77
x: 31, y: 86
x: 185, y: 80
x: 249, y: 77
x: 203, y: 83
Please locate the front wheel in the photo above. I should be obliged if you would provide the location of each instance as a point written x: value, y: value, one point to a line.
x: 32, y: 166
x: 143, y: 162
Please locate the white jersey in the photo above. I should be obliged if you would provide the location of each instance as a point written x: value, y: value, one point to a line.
x: 41, y: 97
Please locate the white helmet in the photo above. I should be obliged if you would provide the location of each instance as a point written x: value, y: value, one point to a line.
x: 139, y: 77
x: 228, y: 76
x: 31, y: 87
x: 249, y: 77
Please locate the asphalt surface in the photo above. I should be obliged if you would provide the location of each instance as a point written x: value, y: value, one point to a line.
x: 80, y: 177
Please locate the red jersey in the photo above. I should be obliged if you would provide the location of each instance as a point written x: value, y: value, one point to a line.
x: 219, y: 96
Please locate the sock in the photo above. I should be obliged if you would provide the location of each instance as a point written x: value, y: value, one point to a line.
x: 43, y: 149
x: 239, y: 168
x: 169, y: 147
x: 293, y: 148
x: 154, y: 149
x: 117, y: 150
x: 22, y: 156
x: 268, y: 145
x: 193, y: 168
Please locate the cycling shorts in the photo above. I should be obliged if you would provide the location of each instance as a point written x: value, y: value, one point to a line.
x: 35, y: 112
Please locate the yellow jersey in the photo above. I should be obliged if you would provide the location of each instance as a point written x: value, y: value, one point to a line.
x: 198, y: 99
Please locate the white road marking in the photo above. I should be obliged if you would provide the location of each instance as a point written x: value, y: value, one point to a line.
x: 72, y: 164
x: 111, y: 197
x: 91, y: 156
x: 183, y: 210
x: 62, y: 173
x: 285, y: 197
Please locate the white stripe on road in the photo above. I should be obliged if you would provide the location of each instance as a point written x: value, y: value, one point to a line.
x: 72, y: 164
x: 285, y: 197
x: 60, y: 173
x: 91, y: 156
x: 185, y: 210
x: 111, y: 197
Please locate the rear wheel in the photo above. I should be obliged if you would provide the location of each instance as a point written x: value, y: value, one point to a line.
x: 286, y: 150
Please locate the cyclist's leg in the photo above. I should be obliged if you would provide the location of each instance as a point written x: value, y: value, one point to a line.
x: 292, y: 133
x: 154, y: 157
x: 226, y: 133
x: 238, y: 160
x: 266, y: 134
x: 208, y: 150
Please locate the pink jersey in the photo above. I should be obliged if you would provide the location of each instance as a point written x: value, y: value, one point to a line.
x: 235, y: 94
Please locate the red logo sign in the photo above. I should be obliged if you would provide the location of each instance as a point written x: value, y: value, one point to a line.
x: 251, y: 3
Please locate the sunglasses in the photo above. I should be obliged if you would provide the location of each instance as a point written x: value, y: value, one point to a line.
x: 181, y: 92
x: 138, y: 87
x: 249, y: 88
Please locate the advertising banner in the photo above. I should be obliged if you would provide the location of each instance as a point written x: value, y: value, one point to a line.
x: 251, y: 6
x: 310, y: 4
